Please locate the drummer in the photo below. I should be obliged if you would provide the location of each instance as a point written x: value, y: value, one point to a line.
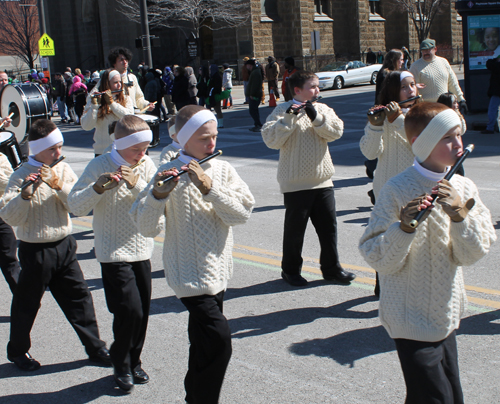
x: 8, y: 243
x: 106, y: 109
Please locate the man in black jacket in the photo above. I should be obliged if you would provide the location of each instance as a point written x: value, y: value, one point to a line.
x: 59, y: 91
x: 254, y: 93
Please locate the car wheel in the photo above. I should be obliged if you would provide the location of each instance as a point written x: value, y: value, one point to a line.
x: 338, y: 83
x: 373, y: 80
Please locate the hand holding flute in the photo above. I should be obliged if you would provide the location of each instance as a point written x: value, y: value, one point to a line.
x: 308, y: 106
x: 109, y: 181
x: 45, y: 174
x: 378, y: 113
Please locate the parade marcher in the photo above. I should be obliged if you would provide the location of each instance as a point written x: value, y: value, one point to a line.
x: 168, y: 79
x: 59, y: 91
x: 172, y: 150
x: 289, y: 70
x: 245, y: 74
x: 180, y: 88
x: 198, y: 264
x: 451, y: 101
x: 106, y: 109
x: 436, y: 75
x: 301, y: 131
x: 422, y: 286
x: 8, y: 243
x: 493, y: 65
x: 120, y: 58
x: 47, y: 250
x: 214, y: 90
x: 371, y: 58
x: 193, y: 91
x: 272, y: 74
x: 123, y: 252
x: 254, y: 92
x: 227, y: 84
x: 385, y: 137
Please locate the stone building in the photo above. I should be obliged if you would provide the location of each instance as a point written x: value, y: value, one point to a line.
x: 85, y: 30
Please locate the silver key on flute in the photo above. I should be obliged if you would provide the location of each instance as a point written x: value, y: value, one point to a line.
x: 160, y: 183
x: 418, y: 218
x: 132, y: 167
x: 27, y: 184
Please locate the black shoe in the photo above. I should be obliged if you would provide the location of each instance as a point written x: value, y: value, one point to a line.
x: 124, y: 380
x: 294, y: 279
x: 487, y: 132
x: 25, y: 362
x: 140, y: 376
x: 372, y: 196
x: 101, y: 356
x: 339, y: 276
x: 369, y: 173
x: 64, y: 121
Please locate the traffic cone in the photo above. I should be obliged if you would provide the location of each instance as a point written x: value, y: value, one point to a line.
x: 272, y: 100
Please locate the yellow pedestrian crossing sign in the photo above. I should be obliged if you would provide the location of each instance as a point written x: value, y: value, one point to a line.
x: 46, y: 46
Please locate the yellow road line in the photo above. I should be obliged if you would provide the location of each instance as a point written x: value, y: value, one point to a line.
x: 369, y: 281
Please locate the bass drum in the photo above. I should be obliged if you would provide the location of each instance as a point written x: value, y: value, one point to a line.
x: 28, y: 102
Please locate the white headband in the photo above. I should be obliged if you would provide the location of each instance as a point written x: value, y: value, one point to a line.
x: 112, y: 74
x: 434, y: 132
x: 194, y: 123
x: 171, y: 131
x: 404, y: 75
x: 133, y: 139
x: 44, y: 143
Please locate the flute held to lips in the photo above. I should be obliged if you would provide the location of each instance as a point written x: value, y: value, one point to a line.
x: 95, y: 95
x: 28, y: 183
x: 379, y: 109
x: 416, y: 221
x: 132, y: 167
x: 217, y: 153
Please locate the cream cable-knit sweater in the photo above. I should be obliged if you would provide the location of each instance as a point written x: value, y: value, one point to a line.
x: 438, y: 77
x: 116, y: 236
x: 197, y: 251
x: 168, y: 153
x: 422, y: 288
x: 101, y: 135
x: 305, y: 161
x: 389, y: 144
x: 5, y: 172
x: 45, y: 217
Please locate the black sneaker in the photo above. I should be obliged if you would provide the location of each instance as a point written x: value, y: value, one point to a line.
x: 25, y: 362
x: 294, y: 279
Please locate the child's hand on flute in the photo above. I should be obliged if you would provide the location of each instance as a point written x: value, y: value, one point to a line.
x: 103, y: 183
x: 202, y: 181
x: 28, y: 192
x: 451, y: 202
x: 48, y: 175
x: 162, y: 188
x: 128, y: 176
x: 409, y: 212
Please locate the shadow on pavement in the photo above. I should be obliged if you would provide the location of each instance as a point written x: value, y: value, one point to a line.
x: 9, y: 370
x: 79, y: 394
x: 250, y: 326
x: 268, y: 208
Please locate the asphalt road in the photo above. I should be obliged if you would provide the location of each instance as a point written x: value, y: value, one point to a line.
x: 320, y: 344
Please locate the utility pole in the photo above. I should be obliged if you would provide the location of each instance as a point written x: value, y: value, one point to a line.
x: 41, y: 17
x: 146, y: 42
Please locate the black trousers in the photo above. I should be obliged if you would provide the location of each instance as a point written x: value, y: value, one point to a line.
x: 51, y: 265
x: 273, y: 85
x: 431, y: 371
x: 210, y: 349
x: 319, y: 206
x: 8, y: 259
x: 127, y: 286
x: 253, y: 108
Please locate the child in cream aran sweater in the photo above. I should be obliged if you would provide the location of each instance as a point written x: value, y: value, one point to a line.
x: 422, y: 287
x: 172, y: 150
x: 199, y: 211
x: 301, y: 131
x: 47, y: 250
x: 109, y: 186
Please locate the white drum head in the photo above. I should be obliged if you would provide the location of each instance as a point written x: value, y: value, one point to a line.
x: 148, y: 118
x: 12, y: 101
x: 5, y: 136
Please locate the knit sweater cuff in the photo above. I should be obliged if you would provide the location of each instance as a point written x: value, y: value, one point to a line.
x: 319, y: 120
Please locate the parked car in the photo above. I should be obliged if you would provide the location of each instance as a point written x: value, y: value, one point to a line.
x: 354, y: 72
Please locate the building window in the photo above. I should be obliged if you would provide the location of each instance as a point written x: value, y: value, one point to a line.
x: 322, y: 11
x: 375, y: 7
x: 269, y: 11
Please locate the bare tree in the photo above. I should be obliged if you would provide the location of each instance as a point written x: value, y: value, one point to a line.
x: 19, y: 31
x: 421, y: 13
x: 194, y: 14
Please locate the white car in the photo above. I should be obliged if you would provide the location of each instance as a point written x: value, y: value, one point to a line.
x: 355, y: 72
